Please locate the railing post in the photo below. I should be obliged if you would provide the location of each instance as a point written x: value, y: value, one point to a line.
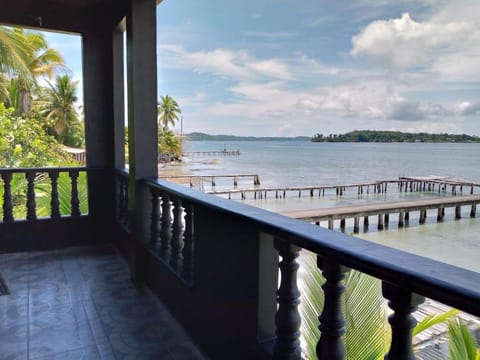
x: 176, y: 259
x: 188, y: 247
x: 54, y: 201
x: 7, y: 198
x: 403, y: 303
x: 166, y: 227
x: 75, y: 202
x: 332, y: 323
x: 31, y: 205
x: 155, y: 219
x: 287, y: 319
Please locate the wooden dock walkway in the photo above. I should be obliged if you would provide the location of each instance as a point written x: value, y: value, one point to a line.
x: 198, y: 181
x: 383, y: 211
x: 223, y: 152
x: 404, y: 184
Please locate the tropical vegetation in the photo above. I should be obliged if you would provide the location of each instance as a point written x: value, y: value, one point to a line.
x: 37, y: 120
x: 368, y: 332
x: 169, y: 144
x: 393, y: 136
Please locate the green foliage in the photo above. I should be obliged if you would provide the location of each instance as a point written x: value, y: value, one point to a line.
x: 168, y: 111
x: 367, y: 330
x: 43, y: 194
x: 169, y: 144
x: 434, y: 319
x: 461, y: 343
x: 57, y: 103
x: 392, y: 136
x: 24, y: 143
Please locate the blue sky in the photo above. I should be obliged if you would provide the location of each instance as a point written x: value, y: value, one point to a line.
x: 288, y: 68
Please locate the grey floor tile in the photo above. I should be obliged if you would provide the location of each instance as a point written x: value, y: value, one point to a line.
x: 79, y: 303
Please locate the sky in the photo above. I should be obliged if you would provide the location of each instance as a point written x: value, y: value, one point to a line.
x: 301, y: 67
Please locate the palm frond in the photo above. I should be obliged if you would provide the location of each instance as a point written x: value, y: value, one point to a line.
x: 433, y: 319
x: 461, y: 344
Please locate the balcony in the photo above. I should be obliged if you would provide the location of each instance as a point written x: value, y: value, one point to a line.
x: 79, y: 303
x: 214, y: 263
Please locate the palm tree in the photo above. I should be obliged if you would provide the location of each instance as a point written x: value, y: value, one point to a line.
x: 168, y: 111
x: 13, y: 53
x: 58, y: 104
x: 41, y: 61
x: 24, y: 57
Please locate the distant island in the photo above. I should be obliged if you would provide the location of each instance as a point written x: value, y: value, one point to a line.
x: 197, y: 136
x: 394, y: 136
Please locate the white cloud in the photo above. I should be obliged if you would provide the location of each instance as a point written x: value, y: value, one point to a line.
x: 467, y: 108
x: 271, y: 35
x: 222, y: 62
x: 404, y: 42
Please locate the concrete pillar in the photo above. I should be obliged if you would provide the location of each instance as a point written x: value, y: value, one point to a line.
x: 119, y: 95
x: 142, y: 119
x: 401, y: 222
x: 97, y: 54
x: 342, y: 224
x: 473, y: 210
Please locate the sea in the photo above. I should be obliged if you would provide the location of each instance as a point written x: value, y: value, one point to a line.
x: 303, y: 163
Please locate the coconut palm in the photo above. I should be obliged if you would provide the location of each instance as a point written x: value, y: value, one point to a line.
x: 368, y: 332
x: 24, y: 57
x: 58, y: 104
x: 13, y: 52
x: 41, y: 61
x: 168, y: 111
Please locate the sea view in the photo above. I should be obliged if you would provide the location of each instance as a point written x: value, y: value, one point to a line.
x: 302, y: 163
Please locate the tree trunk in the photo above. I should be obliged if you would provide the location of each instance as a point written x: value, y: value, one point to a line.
x: 25, y: 105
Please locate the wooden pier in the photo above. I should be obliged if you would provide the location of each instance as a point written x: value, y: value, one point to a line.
x: 198, y: 181
x: 223, y: 152
x: 442, y: 185
x: 383, y: 211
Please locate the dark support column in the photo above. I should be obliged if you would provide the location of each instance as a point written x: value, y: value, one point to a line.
x: 403, y: 303
x: 401, y: 222
x: 97, y: 54
x: 142, y: 122
x: 332, y: 323
x: 119, y: 95
x: 473, y: 210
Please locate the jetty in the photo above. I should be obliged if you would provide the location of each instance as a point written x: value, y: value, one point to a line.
x: 440, y: 184
x: 383, y: 211
x: 198, y: 181
x: 223, y: 152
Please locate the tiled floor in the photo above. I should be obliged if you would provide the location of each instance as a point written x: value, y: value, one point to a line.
x: 79, y: 303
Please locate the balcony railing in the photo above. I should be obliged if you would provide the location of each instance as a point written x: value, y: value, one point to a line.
x: 40, y: 205
x: 215, y: 263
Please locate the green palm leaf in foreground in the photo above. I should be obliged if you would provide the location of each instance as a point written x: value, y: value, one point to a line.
x: 43, y: 191
x: 367, y: 331
x: 461, y: 344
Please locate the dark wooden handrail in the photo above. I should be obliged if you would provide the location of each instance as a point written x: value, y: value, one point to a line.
x: 451, y: 285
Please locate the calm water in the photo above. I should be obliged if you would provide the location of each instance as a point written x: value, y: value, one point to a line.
x: 304, y: 163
